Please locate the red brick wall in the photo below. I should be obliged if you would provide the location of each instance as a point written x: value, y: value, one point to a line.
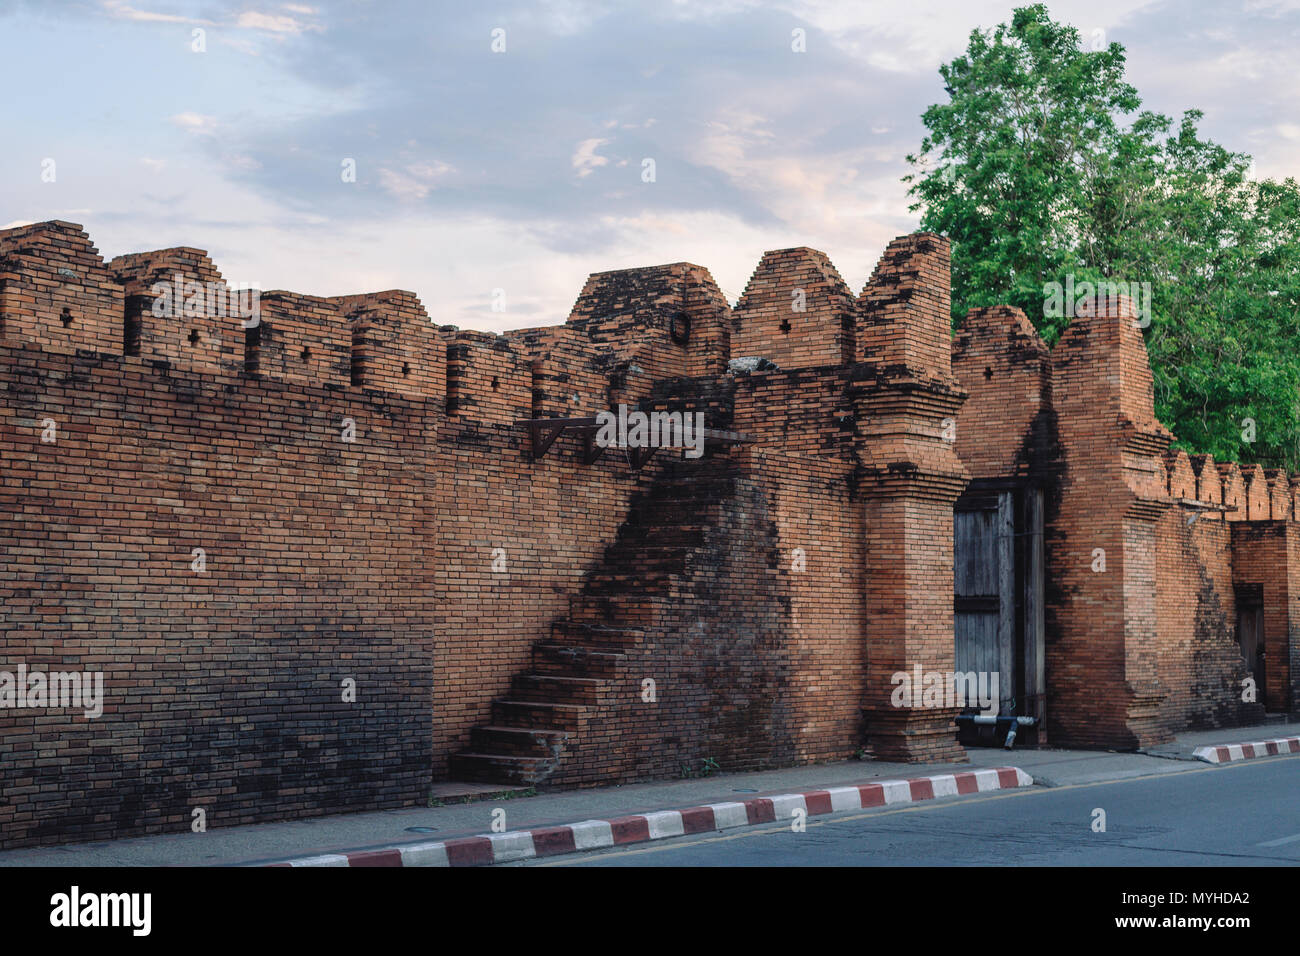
x: 374, y: 559
x: 223, y: 688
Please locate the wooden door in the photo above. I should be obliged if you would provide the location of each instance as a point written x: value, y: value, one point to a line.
x: 984, y: 601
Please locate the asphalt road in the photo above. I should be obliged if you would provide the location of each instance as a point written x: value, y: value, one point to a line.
x: 1241, y: 814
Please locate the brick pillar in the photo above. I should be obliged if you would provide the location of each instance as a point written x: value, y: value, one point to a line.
x: 1101, y: 637
x: 904, y: 397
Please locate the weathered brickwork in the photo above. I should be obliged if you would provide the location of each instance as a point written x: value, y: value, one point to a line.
x: 321, y: 565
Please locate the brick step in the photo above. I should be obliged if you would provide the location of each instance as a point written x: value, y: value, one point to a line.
x: 623, y: 580
x: 693, y: 488
x: 558, y: 690
x: 670, y: 512
x: 632, y: 609
x: 675, y: 535
x: 596, y: 636
x: 518, y: 741
x: 545, y: 716
x: 501, y: 768
x: 659, y: 559
x: 575, y: 660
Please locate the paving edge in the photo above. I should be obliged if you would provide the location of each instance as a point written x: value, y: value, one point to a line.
x: 490, y: 848
x: 1225, y: 753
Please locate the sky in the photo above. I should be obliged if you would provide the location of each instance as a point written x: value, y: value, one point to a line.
x: 503, y: 146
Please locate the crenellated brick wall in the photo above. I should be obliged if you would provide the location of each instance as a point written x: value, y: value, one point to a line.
x: 1144, y: 543
x: 320, y: 565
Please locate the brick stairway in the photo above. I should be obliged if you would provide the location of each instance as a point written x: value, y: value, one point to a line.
x: 579, y: 674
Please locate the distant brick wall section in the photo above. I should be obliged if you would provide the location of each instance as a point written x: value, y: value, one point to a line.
x: 796, y: 312
x: 1265, y: 557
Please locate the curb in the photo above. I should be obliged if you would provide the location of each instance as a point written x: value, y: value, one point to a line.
x: 1225, y: 753
x: 487, y: 849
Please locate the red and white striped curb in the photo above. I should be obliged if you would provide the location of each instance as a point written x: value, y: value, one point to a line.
x: 1223, y: 753
x: 492, y: 848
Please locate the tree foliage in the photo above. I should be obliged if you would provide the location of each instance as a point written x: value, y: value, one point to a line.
x: 1042, y: 168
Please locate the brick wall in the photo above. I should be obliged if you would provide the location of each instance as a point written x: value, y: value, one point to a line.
x: 769, y: 589
x: 223, y: 688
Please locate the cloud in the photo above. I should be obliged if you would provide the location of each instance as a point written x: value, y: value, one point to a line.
x: 272, y: 23
x: 522, y: 170
x: 123, y: 12
x: 195, y: 122
x: 585, y: 159
x: 413, y: 182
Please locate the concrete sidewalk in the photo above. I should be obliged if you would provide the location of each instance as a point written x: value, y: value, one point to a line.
x: 362, y: 831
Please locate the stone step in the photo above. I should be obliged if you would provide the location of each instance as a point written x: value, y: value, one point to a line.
x: 538, y: 714
x: 558, y: 690
x: 501, y: 768
x: 575, y: 660
x: 518, y: 741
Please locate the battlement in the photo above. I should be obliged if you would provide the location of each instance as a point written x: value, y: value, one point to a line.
x: 56, y: 291
x: 488, y: 378
x: 904, y: 310
x: 178, y: 309
x: 395, y: 345
x: 668, y: 320
x: 627, y: 330
x: 796, y: 312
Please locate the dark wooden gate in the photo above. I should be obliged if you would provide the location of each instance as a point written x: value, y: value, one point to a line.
x: 998, y: 593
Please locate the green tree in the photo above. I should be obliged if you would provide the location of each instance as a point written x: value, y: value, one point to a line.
x: 1043, y: 168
